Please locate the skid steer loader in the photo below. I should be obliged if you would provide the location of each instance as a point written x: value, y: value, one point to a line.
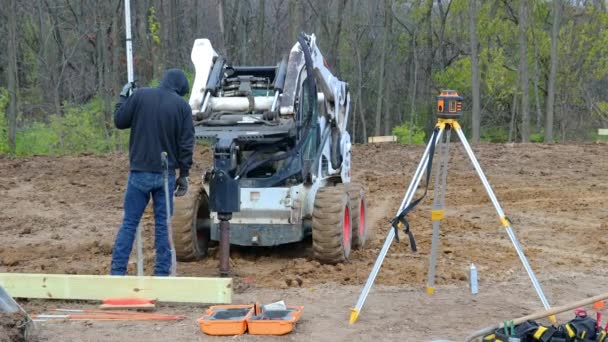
x: 281, y: 158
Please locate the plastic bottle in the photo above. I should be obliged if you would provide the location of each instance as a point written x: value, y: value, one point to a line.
x: 473, y: 279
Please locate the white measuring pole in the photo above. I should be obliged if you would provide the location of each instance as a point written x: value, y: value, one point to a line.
x: 129, y: 48
x: 129, y: 40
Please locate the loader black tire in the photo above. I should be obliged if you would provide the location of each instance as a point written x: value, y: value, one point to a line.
x: 358, y: 210
x: 331, y: 225
x: 190, y: 241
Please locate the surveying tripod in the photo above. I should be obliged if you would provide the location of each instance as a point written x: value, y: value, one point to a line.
x: 449, y: 106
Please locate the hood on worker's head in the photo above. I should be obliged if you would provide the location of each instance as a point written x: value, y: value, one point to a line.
x: 176, y: 80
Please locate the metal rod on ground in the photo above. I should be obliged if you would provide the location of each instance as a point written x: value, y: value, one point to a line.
x: 503, y: 218
x: 165, y: 162
x: 129, y: 42
x: 538, y: 315
x: 439, y: 191
x: 224, y: 245
x: 139, y: 251
x: 391, y: 233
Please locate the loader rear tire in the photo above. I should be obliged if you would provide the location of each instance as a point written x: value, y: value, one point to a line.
x: 358, y: 206
x: 189, y: 238
x: 331, y: 225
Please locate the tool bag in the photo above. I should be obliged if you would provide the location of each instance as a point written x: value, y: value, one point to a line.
x: 513, y: 333
x: 579, y: 329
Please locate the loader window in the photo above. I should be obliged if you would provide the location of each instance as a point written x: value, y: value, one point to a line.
x: 305, y: 108
x: 310, y: 149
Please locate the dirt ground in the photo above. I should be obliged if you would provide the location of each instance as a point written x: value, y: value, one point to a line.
x: 60, y: 215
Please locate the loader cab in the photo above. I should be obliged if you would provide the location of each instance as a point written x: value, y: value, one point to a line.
x: 266, y: 149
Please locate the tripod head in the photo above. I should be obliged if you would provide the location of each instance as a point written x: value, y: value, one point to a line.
x: 449, y: 105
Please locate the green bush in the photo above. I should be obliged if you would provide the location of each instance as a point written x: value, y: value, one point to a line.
x: 538, y: 137
x: 81, y: 129
x: 403, y: 134
x: 495, y: 135
x: 37, y: 139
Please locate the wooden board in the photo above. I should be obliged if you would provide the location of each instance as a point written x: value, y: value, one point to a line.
x: 602, y: 131
x: 382, y: 139
x: 98, y: 287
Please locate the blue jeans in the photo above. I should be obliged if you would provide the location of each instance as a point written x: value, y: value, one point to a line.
x: 140, y: 187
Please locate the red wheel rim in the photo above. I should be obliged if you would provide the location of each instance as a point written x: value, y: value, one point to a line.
x: 346, y: 233
x: 362, y: 219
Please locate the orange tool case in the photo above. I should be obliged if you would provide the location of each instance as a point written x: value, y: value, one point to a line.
x: 223, y: 320
x: 274, y: 322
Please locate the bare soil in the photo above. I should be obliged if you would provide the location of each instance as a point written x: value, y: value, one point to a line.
x: 60, y: 215
x: 13, y: 327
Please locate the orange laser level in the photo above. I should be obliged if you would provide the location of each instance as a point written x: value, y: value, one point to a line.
x: 449, y: 105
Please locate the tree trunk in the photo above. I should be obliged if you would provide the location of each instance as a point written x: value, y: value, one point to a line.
x: 260, y: 38
x: 359, y: 93
x: 12, y: 79
x: 171, y: 43
x: 235, y: 28
x: 476, y: 114
x: 523, y: 70
x: 513, y: 115
x: 557, y: 6
x: 221, y: 8
x: 243, y: 18
x: 429, y: 64
x: 381, y: 76
x: 142, y: 42
x: 293, y: 19
x: 354, y: 120
x: 387, y: 108
x: 335, y: 46
x: 413, y: 87
x: 443, y: 14
x: 536, y: 82
x: 42, y: 30
x: 388, y: 77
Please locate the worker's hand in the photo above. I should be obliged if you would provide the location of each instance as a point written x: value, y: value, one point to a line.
x: 181, y: 186
x: 128, y: 89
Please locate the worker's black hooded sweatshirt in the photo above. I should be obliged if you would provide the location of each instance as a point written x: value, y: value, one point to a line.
x: 160, y: 120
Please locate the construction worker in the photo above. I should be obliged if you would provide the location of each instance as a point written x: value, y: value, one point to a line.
x: 160, y: 120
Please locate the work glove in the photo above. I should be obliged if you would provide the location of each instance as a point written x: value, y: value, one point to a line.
x: 181, y: 186
x: 128, y: 89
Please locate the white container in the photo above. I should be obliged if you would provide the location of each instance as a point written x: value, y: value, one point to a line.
x: 473, y: 279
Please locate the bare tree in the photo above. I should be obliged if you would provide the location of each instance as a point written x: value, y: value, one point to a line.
x: 476, y: 115
x: 12, y: 79
x: 523, y: 70
x: 557, y: 6
x: 382, y: 67
x: 261, y: 48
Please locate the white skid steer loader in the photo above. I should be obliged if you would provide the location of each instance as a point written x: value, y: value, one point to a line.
x: 282, y: 158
